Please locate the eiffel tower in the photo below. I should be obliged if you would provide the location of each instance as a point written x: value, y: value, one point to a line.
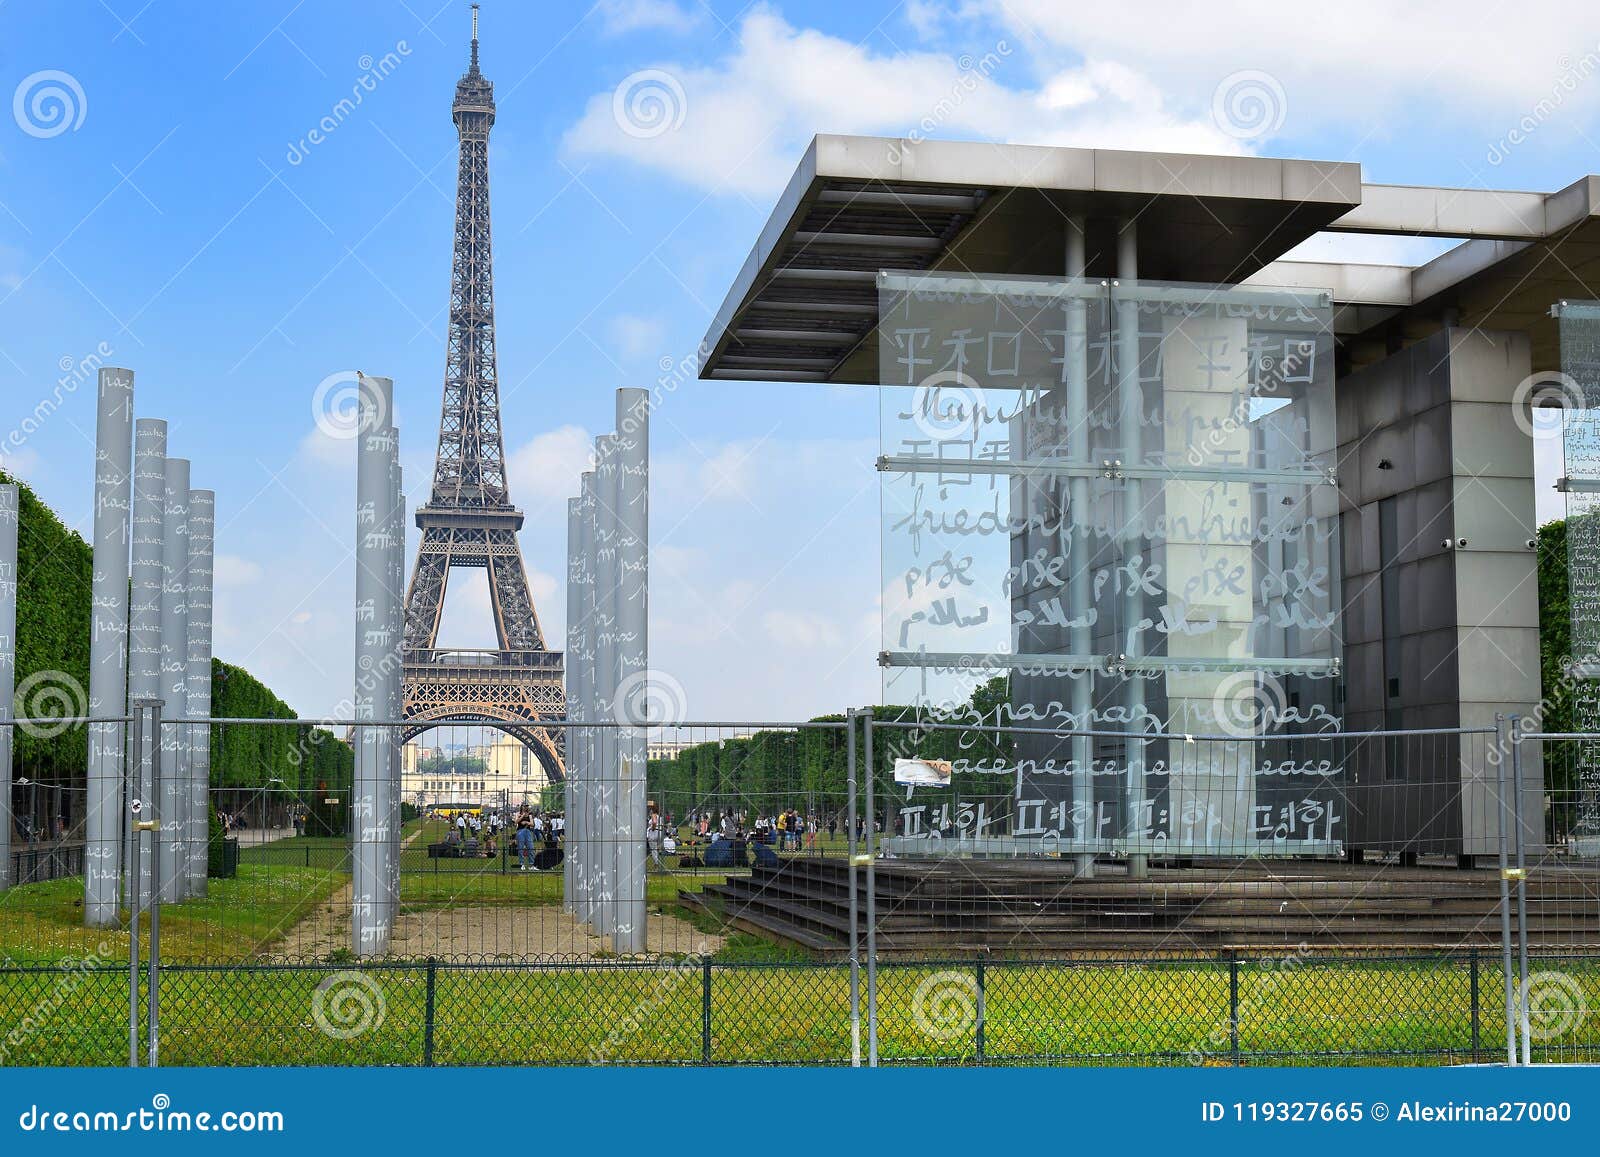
x: 469, y: 520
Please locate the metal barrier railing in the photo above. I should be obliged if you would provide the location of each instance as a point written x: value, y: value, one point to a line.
x: 770, y: 842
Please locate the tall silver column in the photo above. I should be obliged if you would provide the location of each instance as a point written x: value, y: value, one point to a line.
x: 575, y: 564
x: 606, y: 736
x: 393, y: 691
x: 10, y: 517
x: 174, y: 771
x: 108, y: 646
x: 371, y: 914
x: 587, y: 761
x: 144, y: 618
x: 202, y: 530
x: 1130, y: 395
x: 632, y: 447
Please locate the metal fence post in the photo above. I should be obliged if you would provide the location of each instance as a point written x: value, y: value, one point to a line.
x: 872, y: 905
x: 1477, y: 1011
x: 1505, y: 886
x: 153, y: 1015
x: 131, y: 873
x: 1522, y: 895
x: 1233, y: 1006
x: 855, y: 911
x: 428, y: 1012
x: 979, y: 1011
x: 705, y: 1011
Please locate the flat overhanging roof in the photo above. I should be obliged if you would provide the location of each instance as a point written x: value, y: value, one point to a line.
x: 804, y: 306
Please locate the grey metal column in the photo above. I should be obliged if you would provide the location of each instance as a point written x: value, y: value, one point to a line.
x: 202, y: 530
x: 1077, y: 537
x: 370, y: 913
x: 1131, y: 417
x: 174, y: 803
x: 632, y: 447
x: 108, y: 646
x: 10, y: 517
x: 588, y: 761
x: 144, y: 617
x: 607, y: 737
x: 393, y: 707
x: 569, y: 897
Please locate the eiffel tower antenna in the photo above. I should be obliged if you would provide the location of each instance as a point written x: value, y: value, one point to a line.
x: 469, y: 520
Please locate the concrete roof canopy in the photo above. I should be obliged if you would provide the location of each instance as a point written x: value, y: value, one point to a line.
x: 804, y: 306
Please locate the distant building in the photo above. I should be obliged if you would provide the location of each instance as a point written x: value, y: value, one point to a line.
x: 502, y: 773
x: 667, y: 748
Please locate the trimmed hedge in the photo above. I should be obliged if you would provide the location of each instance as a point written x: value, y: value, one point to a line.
x: 55, y: 570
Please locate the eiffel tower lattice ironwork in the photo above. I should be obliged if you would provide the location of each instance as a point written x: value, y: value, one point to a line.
x: 469, y: 520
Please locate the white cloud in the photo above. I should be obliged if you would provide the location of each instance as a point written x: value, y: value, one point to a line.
x: 746, y: 118
x: 800, y: 630
x: 231, y: 570
x: 618, y: 17
x: 546, y: 469
x: 22, y: 462
x: 637, y: 338
x: 327, y: 452
x: 1353, y: 60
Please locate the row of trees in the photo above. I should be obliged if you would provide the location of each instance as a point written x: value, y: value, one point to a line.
x: 809, y: 766
x: 55, y: 569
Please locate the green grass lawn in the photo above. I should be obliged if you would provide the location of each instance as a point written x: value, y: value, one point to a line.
x: 766, y: 1005
x: 1336, y: 1013
x: 235, y: 919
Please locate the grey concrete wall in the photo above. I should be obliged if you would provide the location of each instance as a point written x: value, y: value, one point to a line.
x: 1430, y: 430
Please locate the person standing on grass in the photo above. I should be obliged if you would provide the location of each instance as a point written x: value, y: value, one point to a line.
x: 524, y: 842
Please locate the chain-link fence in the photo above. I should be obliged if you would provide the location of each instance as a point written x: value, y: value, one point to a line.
x: 1217, y: 1010
x: 1553, y: 873
x: 874, y: 887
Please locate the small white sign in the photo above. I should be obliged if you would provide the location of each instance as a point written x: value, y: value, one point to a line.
x: 922, y: 772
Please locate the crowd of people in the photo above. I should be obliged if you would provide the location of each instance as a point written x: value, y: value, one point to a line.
x: 705, y: 837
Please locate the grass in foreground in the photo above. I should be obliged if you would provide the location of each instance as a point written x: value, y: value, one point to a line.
x: 1336, y: 1013
x: 236, y: 918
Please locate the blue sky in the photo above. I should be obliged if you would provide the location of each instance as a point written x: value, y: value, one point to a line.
x: 185, y: 223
